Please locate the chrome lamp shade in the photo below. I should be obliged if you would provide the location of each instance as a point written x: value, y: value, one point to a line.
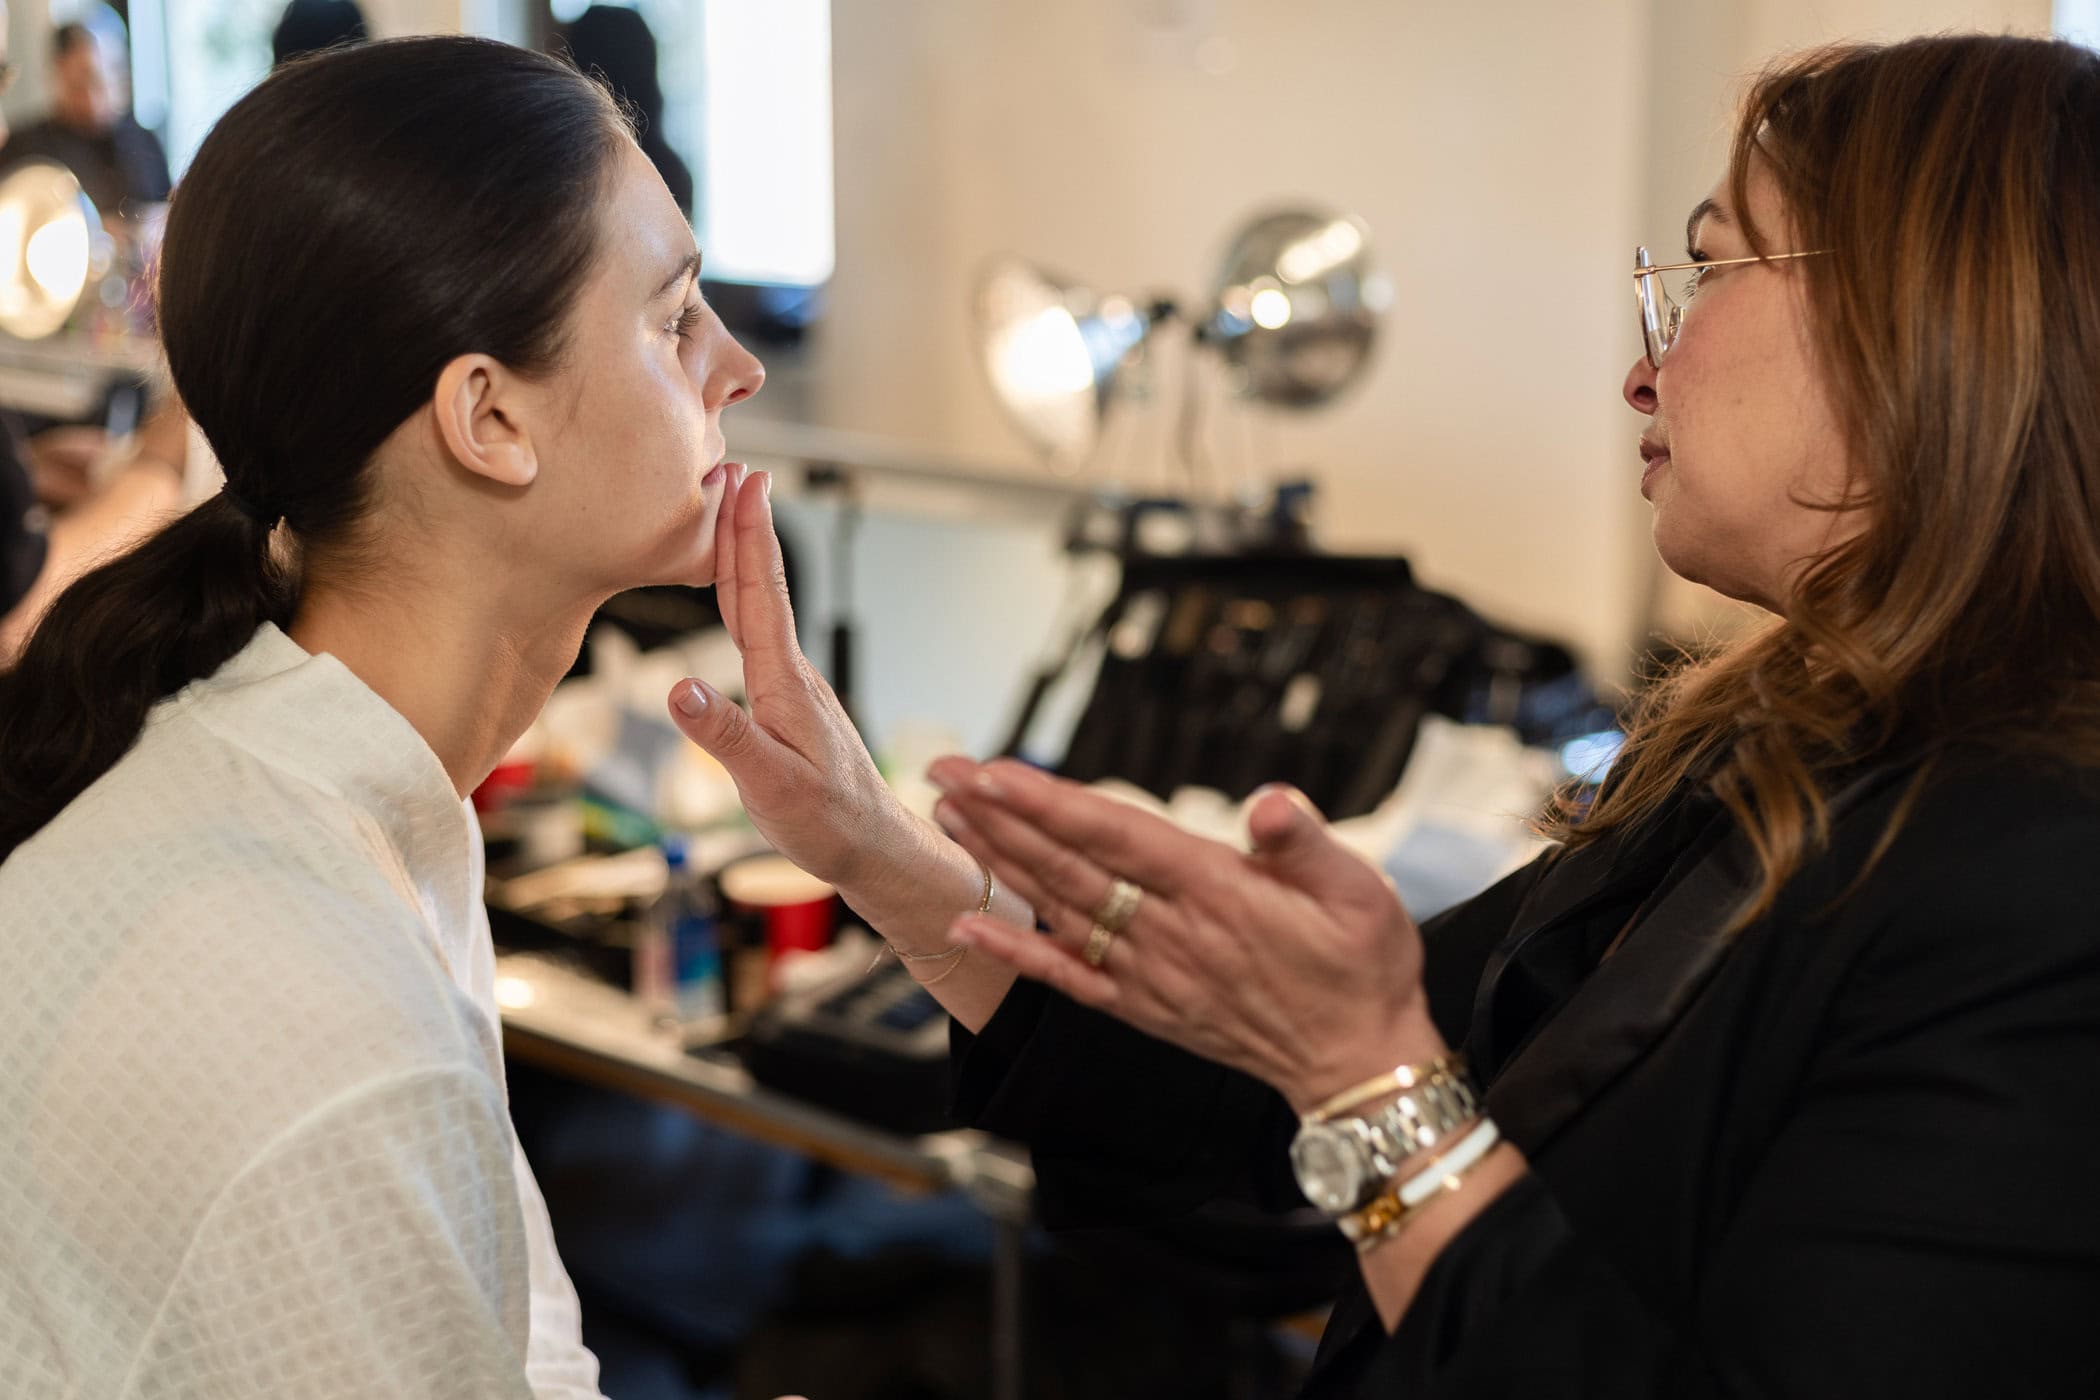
x: 48, y: 232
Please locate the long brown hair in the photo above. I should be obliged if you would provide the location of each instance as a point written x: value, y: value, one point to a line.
x: 1955, y: 181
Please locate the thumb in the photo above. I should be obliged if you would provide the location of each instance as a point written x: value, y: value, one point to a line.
x: 1291, y: 836
x: 716, y: 724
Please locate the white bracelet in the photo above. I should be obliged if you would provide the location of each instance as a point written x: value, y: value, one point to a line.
x: 1384, y: 1217
x: 1471, y: 1148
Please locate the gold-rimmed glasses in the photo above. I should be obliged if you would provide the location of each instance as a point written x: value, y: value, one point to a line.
x: 1662, y: 305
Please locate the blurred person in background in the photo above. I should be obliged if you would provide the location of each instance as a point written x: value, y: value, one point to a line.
x: 310, y: 26
x: 616, y: 45
x: 65, y: 503
x: 90, y: 129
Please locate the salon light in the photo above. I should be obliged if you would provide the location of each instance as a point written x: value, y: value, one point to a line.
x: 1055, y: 353
x: 1293, y: 312
x: 1270, y: 309
x: 48, y: 233
x: 1296, y: 306
x: 57, y: 258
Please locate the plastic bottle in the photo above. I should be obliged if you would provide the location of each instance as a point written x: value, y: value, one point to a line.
x: 688, y: 929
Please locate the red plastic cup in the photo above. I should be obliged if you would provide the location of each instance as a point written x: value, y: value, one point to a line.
x: 799, y: 911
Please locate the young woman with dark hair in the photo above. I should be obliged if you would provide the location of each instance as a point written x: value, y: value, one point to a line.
x: 439, y: 319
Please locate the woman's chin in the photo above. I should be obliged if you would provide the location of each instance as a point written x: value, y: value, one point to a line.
x: 685, y: 568
x: 701, y: 574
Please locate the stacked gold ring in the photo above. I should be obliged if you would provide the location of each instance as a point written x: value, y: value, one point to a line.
x: 1111, y: 919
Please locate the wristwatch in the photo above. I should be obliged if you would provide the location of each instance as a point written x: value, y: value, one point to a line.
x: 1343, y: 1163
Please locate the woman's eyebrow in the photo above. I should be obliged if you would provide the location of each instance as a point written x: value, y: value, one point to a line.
x: 1705, y: 208
x: 685, y: 269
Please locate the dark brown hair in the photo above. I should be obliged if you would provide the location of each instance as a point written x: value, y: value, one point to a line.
x: 1956, y: 182
x: 350, y: 226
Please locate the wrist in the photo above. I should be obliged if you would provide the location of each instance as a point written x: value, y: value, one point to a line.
x: 900, y: 881
x: 1410, y: 1038
x: 865, y: 873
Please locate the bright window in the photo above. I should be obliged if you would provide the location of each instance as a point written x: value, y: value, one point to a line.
x: 190, y: 62
x: 747, y: 103
x: 2079, y: 20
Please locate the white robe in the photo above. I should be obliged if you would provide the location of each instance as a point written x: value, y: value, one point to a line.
x: 253, y: 1131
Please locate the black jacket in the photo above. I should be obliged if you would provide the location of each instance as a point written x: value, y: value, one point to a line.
x: 1845, y: 1153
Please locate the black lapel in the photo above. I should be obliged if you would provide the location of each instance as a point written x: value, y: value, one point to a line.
x: 1624, y: 1008
x: 1626, y: 1005
x: 1620, y: 869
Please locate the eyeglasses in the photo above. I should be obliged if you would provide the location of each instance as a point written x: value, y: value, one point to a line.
x: 1662, y: 308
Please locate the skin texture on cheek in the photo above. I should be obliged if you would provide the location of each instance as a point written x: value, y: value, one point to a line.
x: 630, y: 423
x: 1753, y: 439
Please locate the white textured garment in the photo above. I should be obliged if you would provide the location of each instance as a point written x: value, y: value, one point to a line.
x: 253, y: 1132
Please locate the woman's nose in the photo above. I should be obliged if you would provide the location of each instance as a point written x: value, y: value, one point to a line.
x: 1639, y: 388
x: 738, y: 376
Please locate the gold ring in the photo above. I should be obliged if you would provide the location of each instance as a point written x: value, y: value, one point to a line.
x: 1120, y: 907
x: 1097, y: 946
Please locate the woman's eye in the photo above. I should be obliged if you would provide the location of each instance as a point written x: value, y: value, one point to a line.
x: 687, y: 321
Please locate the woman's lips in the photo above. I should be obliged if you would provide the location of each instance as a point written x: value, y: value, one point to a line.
x: 1653, y: 455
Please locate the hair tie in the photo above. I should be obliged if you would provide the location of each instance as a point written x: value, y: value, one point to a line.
x: 261, y: 515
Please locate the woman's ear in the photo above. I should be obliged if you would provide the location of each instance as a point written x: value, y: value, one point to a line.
x: 476, y: 406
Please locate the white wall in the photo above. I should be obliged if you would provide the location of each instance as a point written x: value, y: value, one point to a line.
x: 1492, y: 149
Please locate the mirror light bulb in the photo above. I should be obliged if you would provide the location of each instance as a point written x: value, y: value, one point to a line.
x: 57, y: 258
x: 1270, y: 309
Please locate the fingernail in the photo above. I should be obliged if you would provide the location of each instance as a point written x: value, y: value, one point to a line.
x: 961, y: 934
x: 950, y: 819
x: 766, y: 484
x: 988, y: 786
x: 945, y: 774
x: 689, y: 699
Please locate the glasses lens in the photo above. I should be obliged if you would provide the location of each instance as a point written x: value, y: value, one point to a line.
x: 1663, y: 297
x: 1655, y: 312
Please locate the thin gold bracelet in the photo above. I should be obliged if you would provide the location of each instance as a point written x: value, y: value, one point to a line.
x: 944, y: 974
x: 1445, y: 1067
x: 984, y: 906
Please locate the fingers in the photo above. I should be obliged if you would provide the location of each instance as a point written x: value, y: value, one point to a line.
x: 1062, y: 888
x: 765, y: 616
x: 1034, y: 956
x: 733, y: 477
x: 722, y: 728
x: 1296, y: 843
x: 1115, y: 836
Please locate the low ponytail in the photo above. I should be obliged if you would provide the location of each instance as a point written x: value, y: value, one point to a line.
x: 354, y: 224
x: 121, y: 638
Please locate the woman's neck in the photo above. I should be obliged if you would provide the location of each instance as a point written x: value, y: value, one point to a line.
x: 470, y: 678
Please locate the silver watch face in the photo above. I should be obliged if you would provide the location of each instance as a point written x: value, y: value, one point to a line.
x: 1329, y: 1161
